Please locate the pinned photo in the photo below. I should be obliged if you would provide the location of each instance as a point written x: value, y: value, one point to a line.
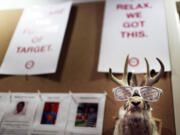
x: 49, y: 114
x: 86, y: 115
x: 21, y: 108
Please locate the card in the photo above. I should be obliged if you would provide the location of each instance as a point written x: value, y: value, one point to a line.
x: 86, y: 114
x: 52, y: 114
x: 19, y: 114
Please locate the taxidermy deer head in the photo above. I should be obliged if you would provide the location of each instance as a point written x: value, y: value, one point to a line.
x: 135, y: 115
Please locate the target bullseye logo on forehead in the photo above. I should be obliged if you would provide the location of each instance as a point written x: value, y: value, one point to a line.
x: 150, y: 94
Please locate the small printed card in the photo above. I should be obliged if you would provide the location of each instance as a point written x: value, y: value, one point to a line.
x: 37, y: 41
x: 137, y: 28
x: 19, y: 114
x: 86, y: 114
x: 52, y: 114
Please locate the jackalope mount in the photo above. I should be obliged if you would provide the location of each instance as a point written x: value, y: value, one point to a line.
x: 134, y: 117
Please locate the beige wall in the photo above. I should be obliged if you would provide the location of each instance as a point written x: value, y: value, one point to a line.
x: 173, y: 26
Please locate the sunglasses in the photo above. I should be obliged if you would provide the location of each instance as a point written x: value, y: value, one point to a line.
x: 150, y: 94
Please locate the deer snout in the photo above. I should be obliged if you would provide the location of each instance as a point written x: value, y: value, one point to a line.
x: 135, y: 103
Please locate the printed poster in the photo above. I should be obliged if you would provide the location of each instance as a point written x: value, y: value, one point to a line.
x: 136, y: 28
x: 37, y: 41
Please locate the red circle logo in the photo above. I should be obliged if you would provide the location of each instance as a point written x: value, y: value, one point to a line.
x: 133, y: 62
x: 29, y: 64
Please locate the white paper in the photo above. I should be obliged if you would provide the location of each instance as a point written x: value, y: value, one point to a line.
x: 83, y: 122
x: 137, y: 28
x: 4, y: 103
x: 19, y: 114
x: 37, y: 41
x: 57, y: 115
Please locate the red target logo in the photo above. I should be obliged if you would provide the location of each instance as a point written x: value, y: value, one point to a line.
x: 29, y: 64
x: 133, y: 62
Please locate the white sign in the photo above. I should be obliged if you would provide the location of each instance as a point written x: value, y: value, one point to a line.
x: 37, y: 41
x: 137, y: 28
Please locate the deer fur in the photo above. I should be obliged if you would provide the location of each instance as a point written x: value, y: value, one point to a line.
x: 136, y: 120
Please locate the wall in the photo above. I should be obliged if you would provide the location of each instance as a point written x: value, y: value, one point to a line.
x: 174, y: 46
x: 90, y: 81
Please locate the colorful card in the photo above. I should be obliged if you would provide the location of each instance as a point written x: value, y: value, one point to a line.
x: 52, y: 114
x: 86, y: 114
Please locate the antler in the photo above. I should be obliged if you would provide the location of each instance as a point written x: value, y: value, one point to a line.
x: 133, y: 81
x: 149, y: 81
x: 124, y: 81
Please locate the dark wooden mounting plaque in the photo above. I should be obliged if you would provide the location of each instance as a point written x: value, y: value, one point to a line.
x: 77, y: 68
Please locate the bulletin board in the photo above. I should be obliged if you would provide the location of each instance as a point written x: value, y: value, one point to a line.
x: 77, y: 68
